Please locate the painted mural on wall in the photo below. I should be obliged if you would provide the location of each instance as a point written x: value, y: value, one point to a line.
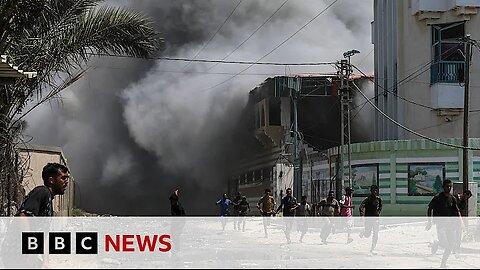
x: 425, y: 179
x: 363, y: 177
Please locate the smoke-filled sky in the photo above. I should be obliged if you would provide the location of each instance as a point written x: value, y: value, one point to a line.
x: 132, y: 130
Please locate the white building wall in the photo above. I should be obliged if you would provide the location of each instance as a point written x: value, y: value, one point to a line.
x: 384, y: 37
x: 37, y: 157
x: 413, y: 56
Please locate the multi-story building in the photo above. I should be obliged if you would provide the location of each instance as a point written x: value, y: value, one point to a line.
x: 420, y: 61
x: 419, y: 67
x: 271, y: 110
x: 420, y: 64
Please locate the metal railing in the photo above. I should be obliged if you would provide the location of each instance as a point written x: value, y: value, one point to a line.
x: 447, y: 72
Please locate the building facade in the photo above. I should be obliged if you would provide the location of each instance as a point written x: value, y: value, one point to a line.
x: 420, y: 64
x: 270, y: 105
x: 408, y: 173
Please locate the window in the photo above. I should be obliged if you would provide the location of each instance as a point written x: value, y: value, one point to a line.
x: 425, y: 178
x: 249, y: 177
x: 448, y: 53
x: 257, y: 176
x: 260, y: 114
x: 274, y: 114
x: 364, y: 176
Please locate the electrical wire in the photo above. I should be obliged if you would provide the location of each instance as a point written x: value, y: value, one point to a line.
x: 220, y: 61
x: 407, y: 79
x: 250, y: 36
x: 215, y: 34
x: 410, y: 130
x: 274, y: 49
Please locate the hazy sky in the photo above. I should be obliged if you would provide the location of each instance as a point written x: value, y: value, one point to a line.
x: 133, y: 129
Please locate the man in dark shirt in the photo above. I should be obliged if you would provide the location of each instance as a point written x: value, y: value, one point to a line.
x: 289, y: 204
x: 176, y: 208
x: 39, y: 201
x: 444, y: 204
x: 370, y: 208
x: 462, y: 202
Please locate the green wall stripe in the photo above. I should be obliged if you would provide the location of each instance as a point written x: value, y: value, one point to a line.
x: 412, y: 202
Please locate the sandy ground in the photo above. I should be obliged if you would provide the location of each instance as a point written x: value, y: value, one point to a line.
x: 203, y: 244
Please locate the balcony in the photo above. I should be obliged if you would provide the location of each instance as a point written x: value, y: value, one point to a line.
x: 447, y: 72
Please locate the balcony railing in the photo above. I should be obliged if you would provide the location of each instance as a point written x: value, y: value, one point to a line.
x: 447, y: 72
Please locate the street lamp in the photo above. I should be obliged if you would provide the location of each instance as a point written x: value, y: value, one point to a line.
x: 350, y: 53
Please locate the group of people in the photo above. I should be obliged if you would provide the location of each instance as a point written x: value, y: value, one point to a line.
x: 56, y: 178
x: 327, y: 208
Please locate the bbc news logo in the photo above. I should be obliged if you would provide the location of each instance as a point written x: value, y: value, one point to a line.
x: 87, y: 243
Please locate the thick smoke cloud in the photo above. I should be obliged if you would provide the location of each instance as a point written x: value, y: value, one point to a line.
x: 133, y: 130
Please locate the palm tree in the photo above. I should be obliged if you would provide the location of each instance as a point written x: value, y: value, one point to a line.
x: 56, y: 38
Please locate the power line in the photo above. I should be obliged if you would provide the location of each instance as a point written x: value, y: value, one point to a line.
x: 215, y: 34
x: 397, y: 85
x: 254, y: 32
x: 194, y: 72
x: 450, y: 122
x: 221, y: 61
x: 410, y: 130
x: 278, y: 46
x: 364, y: 58
x: 407, y: 79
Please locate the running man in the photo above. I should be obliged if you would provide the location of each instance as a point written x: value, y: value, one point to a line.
x: 346, y: 208
x: 266, y: 205
x: 303, y: 211
x: 224, y: 203
x: 289, y: 204
x: 243, y: 209
x: 371, y: 208
x: 444, y: 204
x: 329, y: 207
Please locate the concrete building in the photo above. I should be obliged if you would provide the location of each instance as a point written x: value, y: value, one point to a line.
x: 419, y: 74
x: 419, y: 82
x: 418, y: 57
x: 408, y: 173
x: 270, y: 110
x: 36, y: 157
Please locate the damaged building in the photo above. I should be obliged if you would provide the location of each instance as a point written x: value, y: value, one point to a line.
x: 270, y: 110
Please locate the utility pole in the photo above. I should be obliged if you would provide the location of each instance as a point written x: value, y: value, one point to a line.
x: 344, y: 73
x: 295, y: 85
x: 466, y: 100
x: 297, y: 174
x: 339, y: 180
